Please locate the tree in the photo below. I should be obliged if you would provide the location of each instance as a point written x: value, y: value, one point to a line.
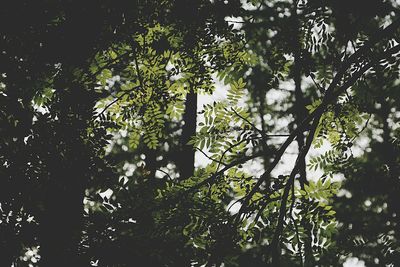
x: 43, y: 62
x: 99, y: 133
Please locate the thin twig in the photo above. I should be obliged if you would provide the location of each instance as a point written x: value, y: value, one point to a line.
x: 110, y: 104
x: 320, y: 88
x: 116, y: 100
x: 169, y: 177
x: 229, y: 148
x: 246, y: 120
x: 210, y: 158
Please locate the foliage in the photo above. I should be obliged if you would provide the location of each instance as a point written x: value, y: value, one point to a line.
x: 99, y: 121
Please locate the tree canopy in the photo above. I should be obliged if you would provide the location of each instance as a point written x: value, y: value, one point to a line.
x: 199, y: 133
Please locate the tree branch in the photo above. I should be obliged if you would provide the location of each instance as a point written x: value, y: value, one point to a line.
x: 330, y: 96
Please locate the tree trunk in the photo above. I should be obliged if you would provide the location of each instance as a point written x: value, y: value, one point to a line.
x: 68, y: 159
x: 150, y: 162
x: 186, y: 158
x: 62, y: 219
